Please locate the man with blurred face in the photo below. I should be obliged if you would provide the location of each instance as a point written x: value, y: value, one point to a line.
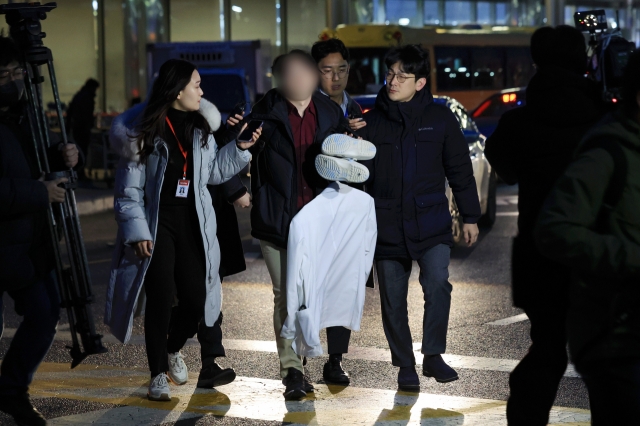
x: 296, y: 119
x: 332, y: 58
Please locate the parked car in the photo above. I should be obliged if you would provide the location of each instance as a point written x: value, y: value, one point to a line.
x: 489, y: 112
x: 485, y: 176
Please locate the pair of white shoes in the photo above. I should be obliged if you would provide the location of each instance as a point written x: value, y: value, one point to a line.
x: 159, y: 389
x: 338, y: 159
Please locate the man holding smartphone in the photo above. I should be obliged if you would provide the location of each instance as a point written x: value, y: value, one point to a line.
x: 332, y: 58
x: 296, y: 119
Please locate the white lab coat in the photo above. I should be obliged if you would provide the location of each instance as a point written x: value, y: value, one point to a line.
x: 329, y: 257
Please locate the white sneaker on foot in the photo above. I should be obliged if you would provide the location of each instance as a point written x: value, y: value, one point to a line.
x: 339, y: 145
x: 178, y: 369
x: 159, y: 388
x: 339, y: 169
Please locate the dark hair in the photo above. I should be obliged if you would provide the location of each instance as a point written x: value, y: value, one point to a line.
x: 174, y: 76
x: 563, y: 47
x: 631, y: 83
x: 92, y: 84
x: 414, y: 59
x: 278, y: 63
x: 9, y: 51
x: 322, y: 49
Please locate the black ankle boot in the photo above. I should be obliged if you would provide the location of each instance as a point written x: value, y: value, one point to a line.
x: 20, y: 408
x: 212, y: 375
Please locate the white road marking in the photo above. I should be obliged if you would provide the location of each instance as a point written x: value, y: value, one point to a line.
x: 261, y: 399
x: 507, y: 214
x: 509, y: 320
x: 507, y: 200
x: 251, y: 256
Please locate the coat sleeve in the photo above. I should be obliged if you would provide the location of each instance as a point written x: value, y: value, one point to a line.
x: 565, y: 226
x: 227, y: 162
x: 19, y: 196
x: 500, y: 150
x: 233, y: 189
x: 128, y: 203
x: 459, y: 171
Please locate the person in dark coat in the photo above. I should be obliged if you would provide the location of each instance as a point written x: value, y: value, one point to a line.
x: 297, y: 118
x: 332, y: 57
x: 531, y: 147
x: 80, y: 118
x: 26, y: 249
x: 419, y: 145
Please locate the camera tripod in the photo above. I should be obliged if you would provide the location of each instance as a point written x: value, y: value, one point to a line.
x: 71, y: 264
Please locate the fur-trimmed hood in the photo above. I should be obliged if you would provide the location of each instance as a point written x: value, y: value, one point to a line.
x: 123, y: 124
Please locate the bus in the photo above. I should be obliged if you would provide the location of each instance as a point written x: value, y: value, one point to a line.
x: 468, y: 64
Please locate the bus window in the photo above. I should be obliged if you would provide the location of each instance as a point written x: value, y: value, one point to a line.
x: 487, y: 66
x: 453, y: 68
x: 519, y: 67
x: 367, y: 70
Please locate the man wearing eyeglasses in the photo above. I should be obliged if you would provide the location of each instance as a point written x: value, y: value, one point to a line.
x: 420, y: 146
x: 332, y: 58
x: 26, y: 251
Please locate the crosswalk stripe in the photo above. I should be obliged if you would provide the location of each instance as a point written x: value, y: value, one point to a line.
x: 261, y: 399
x: 509, y: 320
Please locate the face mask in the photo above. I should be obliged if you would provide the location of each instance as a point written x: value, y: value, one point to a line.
x: 11, y: 93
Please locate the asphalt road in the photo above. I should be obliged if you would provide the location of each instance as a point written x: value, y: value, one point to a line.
x: 110, y: 389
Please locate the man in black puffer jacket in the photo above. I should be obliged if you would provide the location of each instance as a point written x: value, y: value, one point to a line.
x: 532, y: 146
x: 297, y: 118
x: 419, y: 146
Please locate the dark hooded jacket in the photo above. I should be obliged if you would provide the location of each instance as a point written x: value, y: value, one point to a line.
x: 532, y: 146
x: 419, y: 147
x: 274, y: 169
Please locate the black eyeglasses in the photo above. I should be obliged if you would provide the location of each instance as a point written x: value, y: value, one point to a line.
x: 400, y: 77
x: 16, y: 72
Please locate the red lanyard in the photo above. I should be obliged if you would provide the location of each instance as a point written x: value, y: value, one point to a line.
x: 182, y: 150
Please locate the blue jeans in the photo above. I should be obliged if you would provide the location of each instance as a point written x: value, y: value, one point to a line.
x: 393, y: 275
x: 39, y: 305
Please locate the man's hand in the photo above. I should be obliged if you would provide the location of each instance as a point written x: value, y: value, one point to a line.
x: 470, y: 232
x: 357, y: 123
x: 56, y: 194
x: 233, y: 121
x: 244, y: 201
x: 254, y: 138
x: 143, y: 249
x: 69, y: 154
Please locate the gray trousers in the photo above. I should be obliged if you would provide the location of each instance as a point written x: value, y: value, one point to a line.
x: 393, y: 276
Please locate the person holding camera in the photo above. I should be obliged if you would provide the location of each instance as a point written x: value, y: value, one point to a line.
x: 26, y: 250
x: 589, y: 224
x: 531, y: 147
x: 167, y: 228
x: 332, y: 57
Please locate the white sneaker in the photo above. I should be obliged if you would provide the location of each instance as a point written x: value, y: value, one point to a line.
x: 339, y: 145
x: 178, y: 369
x: 339, y: 169
x: 159, y: 388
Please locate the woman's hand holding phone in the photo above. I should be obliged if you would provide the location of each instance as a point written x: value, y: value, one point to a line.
x: 243, y: 141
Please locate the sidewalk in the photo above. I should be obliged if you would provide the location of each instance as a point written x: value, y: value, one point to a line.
x: 94, y: 200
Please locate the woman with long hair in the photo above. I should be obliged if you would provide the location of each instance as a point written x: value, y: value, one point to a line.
x: 167, y: 227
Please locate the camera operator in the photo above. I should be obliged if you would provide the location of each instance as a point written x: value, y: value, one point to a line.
x: 531, y: 147
x: 590, y: 223
x: 26, y: 251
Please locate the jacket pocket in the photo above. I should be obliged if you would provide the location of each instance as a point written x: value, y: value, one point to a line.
x: 432, y: 214
x: 429, y: 146
x: 389, y: 230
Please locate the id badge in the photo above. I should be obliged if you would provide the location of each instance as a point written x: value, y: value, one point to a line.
x: 183, y: 188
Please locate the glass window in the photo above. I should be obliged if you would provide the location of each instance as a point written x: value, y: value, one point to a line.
x: 453, y: 66
x: 195, y: 20
x: 519, y: 67
x: 487, y: 67
x: 484, y: 12
x: 457, y: 12
x: 307, y: 19
x: 401, y: 11
x: 367, y: 70
x: 431, y: 13
x: 501, y: 13
x: 253, y: 20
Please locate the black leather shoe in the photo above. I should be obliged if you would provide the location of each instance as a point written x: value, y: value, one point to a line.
x: 408, y: 379
x: 20, y: 408
x: 308, y: 386
x: 294, y: 383
x: 334, y: 373
x: 434, y: 366
x: 213, y: 376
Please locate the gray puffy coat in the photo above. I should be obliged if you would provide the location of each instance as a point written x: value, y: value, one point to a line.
x: 136, y: 204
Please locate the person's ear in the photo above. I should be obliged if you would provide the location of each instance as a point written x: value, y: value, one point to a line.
x: 420, y: 83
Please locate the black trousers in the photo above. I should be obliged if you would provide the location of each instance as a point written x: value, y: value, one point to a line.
x: 534, y: 382
x: 177, y: 270
x: 338, y: 340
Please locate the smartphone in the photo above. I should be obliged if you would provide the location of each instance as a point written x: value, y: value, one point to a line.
x: 352, y: 116
x: 247, y: 134
x: 238, y: 109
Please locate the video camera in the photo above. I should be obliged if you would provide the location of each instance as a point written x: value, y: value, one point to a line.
x: 609, y: 52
